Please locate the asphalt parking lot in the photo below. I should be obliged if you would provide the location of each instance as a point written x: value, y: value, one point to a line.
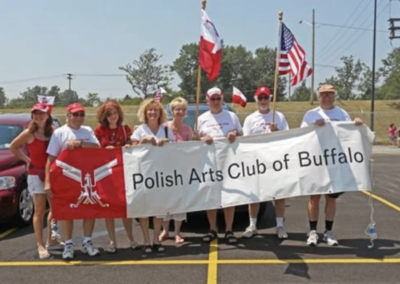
x: 263, y: 259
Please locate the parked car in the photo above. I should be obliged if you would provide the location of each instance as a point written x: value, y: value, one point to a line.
x: 16, y: 204
x: 190, y: 120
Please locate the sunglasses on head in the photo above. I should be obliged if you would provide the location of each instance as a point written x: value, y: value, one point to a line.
x: 260, y: 98
x: 215, y: 99
x: 78, y: 114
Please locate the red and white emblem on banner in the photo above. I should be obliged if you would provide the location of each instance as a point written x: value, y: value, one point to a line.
x: 88, y: 190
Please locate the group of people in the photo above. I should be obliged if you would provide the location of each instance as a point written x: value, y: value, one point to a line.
x: 45, y: 143
x: 394, y: 135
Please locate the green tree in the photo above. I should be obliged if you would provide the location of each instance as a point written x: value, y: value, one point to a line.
x: 390, y: 72
x: 67, y: 97
x: 147, y: 74
x: 3, y: 98
x: 301, y: 93
x: 348, y: 78
x: 92, y: 99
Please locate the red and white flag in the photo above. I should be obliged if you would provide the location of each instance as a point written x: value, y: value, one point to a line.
x: 238, y: 97
x: 210, y: 53
x: 292, y: 58
x: 48, y: 100
x: 159, y: 94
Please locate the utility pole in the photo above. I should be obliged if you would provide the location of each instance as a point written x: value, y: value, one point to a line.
x: 313, y: 58
x: 69, y: 77
x: 393, y: 28
x: 373, y: 71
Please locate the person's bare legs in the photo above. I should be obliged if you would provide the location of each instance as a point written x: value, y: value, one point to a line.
x: 128, y: 225
x: 229, y: 214
x: 212, y: 219
x: 144, y: 225
x: 110, y: 225
x: 38, y: 219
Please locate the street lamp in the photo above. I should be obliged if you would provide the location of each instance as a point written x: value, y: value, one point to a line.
x: 312, y: 25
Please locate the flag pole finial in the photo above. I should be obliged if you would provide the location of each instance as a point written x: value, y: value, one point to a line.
x: 280, y: 16
x: 203, y: 4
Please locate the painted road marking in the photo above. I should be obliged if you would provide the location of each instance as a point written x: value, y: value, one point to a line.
x: 384, y: 201
x: 204, y: 262
x: 8, y: 232
x: 212, y: 273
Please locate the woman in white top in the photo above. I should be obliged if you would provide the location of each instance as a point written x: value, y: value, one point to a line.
x: 152, y: 115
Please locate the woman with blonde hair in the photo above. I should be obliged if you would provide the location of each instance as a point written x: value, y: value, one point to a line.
x: 182, y: 132
x: 112, y: 133
x: 152, y: 131
x: 36, y: 136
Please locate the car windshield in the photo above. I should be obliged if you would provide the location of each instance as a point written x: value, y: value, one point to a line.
x: 8, y: 133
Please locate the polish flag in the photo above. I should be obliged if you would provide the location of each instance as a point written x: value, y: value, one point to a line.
x: 238, y: 97
x: 48, y: 100
x: 159, y: 94
x: 210, y: 53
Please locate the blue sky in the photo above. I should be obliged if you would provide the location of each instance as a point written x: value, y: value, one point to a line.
x: 49, y: 38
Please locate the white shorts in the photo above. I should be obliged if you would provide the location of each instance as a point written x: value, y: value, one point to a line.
x: 35, y: 185
x: 176, y: 217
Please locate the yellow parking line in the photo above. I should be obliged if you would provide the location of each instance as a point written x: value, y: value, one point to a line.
x: 6, y: 233
x: 212, y: 264
x: 384, y: 201
x: 212, y: 274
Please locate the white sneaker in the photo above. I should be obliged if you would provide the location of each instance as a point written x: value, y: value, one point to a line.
x: 68, y: 253
x: 330, y: 239
x: 250, y: 232
x: 89, y: 249
x: 280, y: 232
x: 312, y: 238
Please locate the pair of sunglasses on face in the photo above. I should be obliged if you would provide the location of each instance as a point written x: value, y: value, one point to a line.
x: 215, y: 99
x: 266, y: 98
x: 78, y: 114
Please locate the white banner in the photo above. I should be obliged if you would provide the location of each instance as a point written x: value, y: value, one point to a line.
x: 194, y: 176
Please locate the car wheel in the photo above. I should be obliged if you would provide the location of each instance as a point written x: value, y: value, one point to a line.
x: 25, y: 210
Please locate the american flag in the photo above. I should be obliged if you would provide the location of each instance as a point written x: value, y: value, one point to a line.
x: 159, y: 94
x: 292, y: 58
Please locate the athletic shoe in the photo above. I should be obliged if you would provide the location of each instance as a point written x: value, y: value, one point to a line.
x: 312, y: 238
x: 89, y: 249
x: 250, y: 232
x: 330, y: 239
x: 68, y: 253
x: 280, y: 232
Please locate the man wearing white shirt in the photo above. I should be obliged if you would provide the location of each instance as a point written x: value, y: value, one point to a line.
x: 71, y: 136
x: 260, y: 122
x: 214, y: 124
x: 327, y: 112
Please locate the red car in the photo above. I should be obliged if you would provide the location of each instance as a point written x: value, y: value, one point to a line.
x: 16, y: 204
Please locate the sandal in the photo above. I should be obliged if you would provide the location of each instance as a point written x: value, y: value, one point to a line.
x: 179, y: 239
x: 163, y: 236
x: 147, y: 249
x: 43, y: 254
x: 212, y: 235
x: 111, y: 248
x: 158, y: 248
x: 230, y: 237
x: 55, y: 244
x: 135, y: 245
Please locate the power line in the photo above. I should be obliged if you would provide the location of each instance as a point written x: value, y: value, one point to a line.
x: 29, y: 79
x: 350, y: 28
x: 335, y: 36
x: 356, y: 39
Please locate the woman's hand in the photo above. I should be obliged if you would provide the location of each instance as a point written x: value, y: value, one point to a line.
x: 162, y: 141
x: 208, y: 139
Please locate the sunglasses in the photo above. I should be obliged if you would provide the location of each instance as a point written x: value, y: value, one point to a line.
x: 215, y: 99
x: 78, y: 114
x: 260, y: 98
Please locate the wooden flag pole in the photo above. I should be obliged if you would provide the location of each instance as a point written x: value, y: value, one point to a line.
x: 198, y: 90
x: 278, y: 51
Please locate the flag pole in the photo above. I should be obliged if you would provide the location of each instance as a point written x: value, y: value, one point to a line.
x: 198, y: 90
x: 278, y: 51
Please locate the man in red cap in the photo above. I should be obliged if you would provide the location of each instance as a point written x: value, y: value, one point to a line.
x: 260, y: 122
x: 326, y: 112
x: 70, y: 136
x: 218, y: 123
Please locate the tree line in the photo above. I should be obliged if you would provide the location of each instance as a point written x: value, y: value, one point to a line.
x: 241, y: 68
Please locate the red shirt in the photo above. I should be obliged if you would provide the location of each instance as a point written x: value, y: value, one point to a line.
x: 38, y: 155
x: 113, y: 137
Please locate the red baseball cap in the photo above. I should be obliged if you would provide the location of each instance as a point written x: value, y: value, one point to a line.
x: 40, y: 107
x: 75, y: 107
x: 262, y: 90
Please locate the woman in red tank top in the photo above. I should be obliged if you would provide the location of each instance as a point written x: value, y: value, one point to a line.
x: 36, y: 136
x: 112, y: 133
